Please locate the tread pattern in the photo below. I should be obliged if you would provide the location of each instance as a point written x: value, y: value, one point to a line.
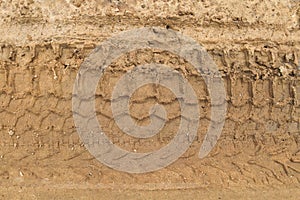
x: 260, y: 142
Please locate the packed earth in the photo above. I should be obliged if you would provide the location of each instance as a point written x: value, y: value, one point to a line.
x: 256, y: 47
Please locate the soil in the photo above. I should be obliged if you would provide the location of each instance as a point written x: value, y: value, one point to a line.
x: 256, y: 46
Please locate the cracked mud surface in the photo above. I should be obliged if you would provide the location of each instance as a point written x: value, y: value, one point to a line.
x: 257, y: 52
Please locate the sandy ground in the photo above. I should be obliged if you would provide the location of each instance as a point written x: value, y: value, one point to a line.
x: 255, y: 46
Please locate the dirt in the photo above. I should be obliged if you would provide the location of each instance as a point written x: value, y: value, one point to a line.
x: 257, y: 51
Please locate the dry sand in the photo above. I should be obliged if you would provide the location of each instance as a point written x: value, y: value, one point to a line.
x: 256, y: 46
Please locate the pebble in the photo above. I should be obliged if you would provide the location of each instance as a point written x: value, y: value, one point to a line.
x: 21, y: 173
x: 11, y: 132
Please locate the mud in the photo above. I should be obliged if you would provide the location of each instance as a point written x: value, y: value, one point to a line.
x: 257, y: 51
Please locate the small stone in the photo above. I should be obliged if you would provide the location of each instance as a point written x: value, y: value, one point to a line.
x: 21, y: 173
x: 11, y: 132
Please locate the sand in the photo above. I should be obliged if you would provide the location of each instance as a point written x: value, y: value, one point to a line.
x: 255, y: 45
